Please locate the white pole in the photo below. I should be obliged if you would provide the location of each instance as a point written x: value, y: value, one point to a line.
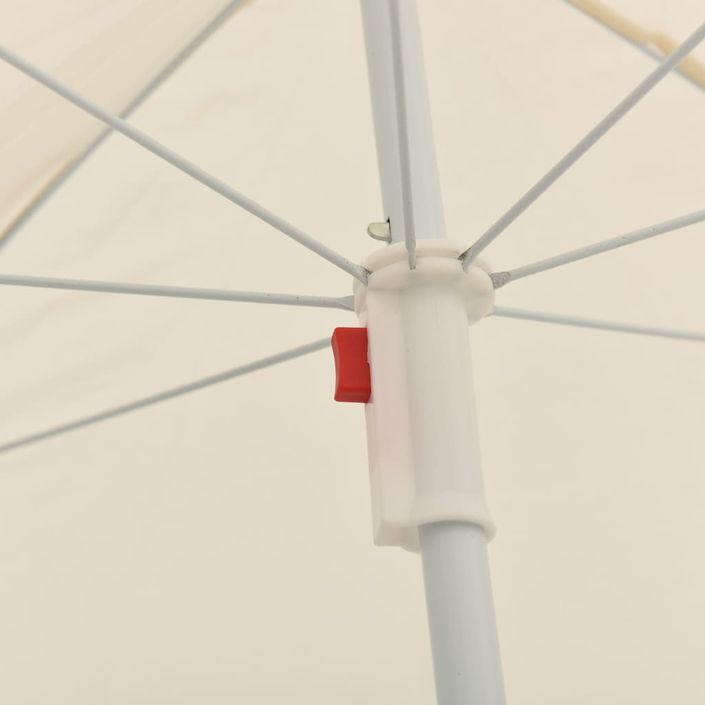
x: 461, y: 614
x: 456, y: 572
x: 403, y: 133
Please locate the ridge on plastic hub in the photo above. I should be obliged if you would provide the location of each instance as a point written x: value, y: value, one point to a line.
x: 421, y: 424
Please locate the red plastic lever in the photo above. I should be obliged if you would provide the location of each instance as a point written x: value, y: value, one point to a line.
x: 352, y: 370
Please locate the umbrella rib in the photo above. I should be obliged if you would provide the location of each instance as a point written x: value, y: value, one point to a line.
x: 180, y: 292
x: 403, y: 132
x: 630, y: 31
x: 542, y: 317
x: 499, y: 279
x: 165, y: 395
x: 187, y: 167
x: 598, y: 131
x: 147, y: 91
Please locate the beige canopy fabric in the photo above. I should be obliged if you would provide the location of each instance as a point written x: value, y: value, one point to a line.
x: 110, y: 50
x: 217, y: 548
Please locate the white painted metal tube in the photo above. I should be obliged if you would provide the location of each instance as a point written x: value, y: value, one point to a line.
x: 596, y: 248
x: 176, y: 292
x: 455, y: 561
x: 173, y: 65
x: 585, y: 144
x: 180, y: 162
x: 165, y: 395
x: 461, y: 614
x: 598, y: 324
x: 406, y: 155
x: 638, y: 36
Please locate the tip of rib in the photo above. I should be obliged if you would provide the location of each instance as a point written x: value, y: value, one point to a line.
x: 347, y: 302
x: 499, y: 279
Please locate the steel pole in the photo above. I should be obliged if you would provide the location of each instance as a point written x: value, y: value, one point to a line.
x: 454, y: 554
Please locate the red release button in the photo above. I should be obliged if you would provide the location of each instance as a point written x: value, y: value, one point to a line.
x: 352, y: 371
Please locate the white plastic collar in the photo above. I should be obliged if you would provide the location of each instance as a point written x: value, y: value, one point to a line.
x: 421, y: 427
x: 437, y: 261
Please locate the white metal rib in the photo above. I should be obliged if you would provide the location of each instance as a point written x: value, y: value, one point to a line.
x: 152, y: 86
x: 180, y: 292
x: 542, y: 317
x: 499, y: 279
x: 181, y: 163
x: 402, y: 120
x: 602, y: 127
x: 165, y: 395
x: 644, y: 48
